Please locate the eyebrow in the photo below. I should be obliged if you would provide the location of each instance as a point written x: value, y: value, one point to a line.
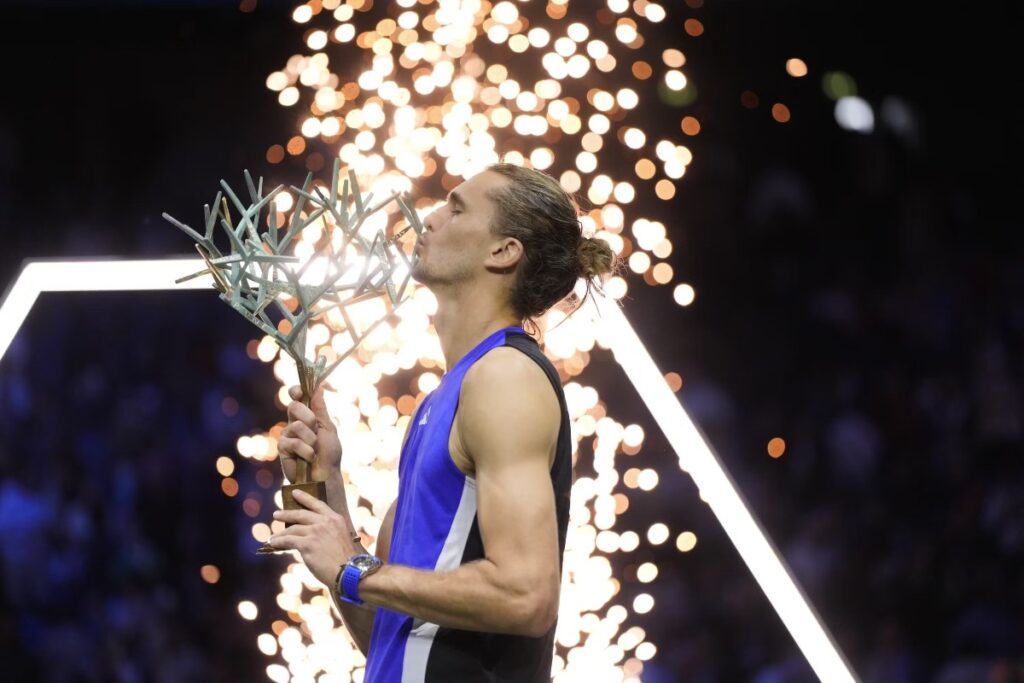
x: 456, y: 198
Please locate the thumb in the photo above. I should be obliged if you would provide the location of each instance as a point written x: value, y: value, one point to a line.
x: 295, y: 393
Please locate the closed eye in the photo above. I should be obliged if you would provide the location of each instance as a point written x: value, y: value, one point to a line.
x: 455, y: 202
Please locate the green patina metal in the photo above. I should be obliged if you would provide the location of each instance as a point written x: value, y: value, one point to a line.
x: 258, y: 273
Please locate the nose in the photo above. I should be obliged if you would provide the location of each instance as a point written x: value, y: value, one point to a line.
x: 428, y: 222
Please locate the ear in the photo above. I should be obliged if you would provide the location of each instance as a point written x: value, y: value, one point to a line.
x: 505, y: 254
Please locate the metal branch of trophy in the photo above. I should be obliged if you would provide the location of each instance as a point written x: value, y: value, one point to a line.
x: 258, y: 274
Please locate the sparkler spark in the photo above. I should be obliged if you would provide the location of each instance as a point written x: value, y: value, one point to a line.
x: 440, y: 92
x: 443, y: 90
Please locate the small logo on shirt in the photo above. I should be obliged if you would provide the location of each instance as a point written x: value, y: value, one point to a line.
x: 426, y: 416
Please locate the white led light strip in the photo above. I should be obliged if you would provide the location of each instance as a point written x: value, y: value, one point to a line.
x: 695, y: 455
x: 718, y: 490
x: 90, y: 276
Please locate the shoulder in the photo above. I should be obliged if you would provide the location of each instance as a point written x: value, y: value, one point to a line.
x: 507, y: 388
x: 508, y: 411
x: 504, y: 370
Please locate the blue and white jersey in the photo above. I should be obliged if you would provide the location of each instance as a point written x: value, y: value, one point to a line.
x: 436, y: 529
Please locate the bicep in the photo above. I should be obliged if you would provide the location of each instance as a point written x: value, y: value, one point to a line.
x: 508, y: 425
x: 516, y: 514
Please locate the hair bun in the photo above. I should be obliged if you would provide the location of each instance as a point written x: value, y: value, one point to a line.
x: 596, y: 258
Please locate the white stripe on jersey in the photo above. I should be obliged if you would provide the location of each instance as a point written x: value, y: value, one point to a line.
x: 421, y: 637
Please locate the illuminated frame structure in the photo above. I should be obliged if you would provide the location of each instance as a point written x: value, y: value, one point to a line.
x: 695, y: 455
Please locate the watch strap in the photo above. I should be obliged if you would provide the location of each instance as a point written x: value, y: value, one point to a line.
x: 349, y: 584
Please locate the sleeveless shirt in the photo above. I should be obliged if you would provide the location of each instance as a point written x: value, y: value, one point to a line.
x: 436, y: 528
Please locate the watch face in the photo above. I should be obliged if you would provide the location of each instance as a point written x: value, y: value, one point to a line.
x: 364, y: 562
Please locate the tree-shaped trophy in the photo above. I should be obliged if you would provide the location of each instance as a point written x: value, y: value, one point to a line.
x: 258, y: 275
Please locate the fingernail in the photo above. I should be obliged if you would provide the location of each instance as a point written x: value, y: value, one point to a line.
x: 277, y: 514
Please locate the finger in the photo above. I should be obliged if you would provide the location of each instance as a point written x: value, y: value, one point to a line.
x: 295, y: 448
x: 296, y: 516
x: 311, y: 502
x: 284, y: 541
x: 295, y: 530
x: 315, y: 413
x: 300, y: 430
x: 319, y: 408
x: 301, y: 412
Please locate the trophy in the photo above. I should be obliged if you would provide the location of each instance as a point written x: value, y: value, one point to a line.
x: 258, y: 274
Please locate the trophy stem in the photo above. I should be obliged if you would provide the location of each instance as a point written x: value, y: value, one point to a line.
x: 301, y: 472
x: 302, y: 480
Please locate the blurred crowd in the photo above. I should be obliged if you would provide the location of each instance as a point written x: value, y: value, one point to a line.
x: 885, y: 344
x: 112, y: 419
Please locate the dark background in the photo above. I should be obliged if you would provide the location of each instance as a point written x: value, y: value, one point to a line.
x: 858, y: 295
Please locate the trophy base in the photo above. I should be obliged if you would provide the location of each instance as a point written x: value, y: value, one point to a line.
x: 317, y: 489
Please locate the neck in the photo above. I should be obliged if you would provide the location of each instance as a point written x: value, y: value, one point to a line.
x: 463, y: 320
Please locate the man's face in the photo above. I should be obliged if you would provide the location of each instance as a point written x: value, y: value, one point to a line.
x: 457, y: 237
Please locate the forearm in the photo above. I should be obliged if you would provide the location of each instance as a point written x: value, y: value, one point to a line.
x: 358, y: 619
x: 473, y: 597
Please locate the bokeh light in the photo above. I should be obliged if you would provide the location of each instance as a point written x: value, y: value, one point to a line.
x: 796, y: 67
x: 209, y: 573
x: 781, y: 113
x: 686, y: 541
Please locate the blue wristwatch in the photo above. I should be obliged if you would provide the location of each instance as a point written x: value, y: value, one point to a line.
x: 352, y: 573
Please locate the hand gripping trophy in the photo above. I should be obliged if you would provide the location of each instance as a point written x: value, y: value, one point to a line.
x: 258, y: 274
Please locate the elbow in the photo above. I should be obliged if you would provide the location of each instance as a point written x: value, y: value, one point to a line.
x: 538, y: 615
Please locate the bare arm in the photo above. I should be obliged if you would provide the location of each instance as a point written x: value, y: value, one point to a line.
x: 359, y: 619
x: 510, y: 437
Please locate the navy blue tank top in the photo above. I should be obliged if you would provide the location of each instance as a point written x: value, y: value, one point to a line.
x: 436, y: 529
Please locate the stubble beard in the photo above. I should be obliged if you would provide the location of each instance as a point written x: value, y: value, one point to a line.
x: 432, y: 279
